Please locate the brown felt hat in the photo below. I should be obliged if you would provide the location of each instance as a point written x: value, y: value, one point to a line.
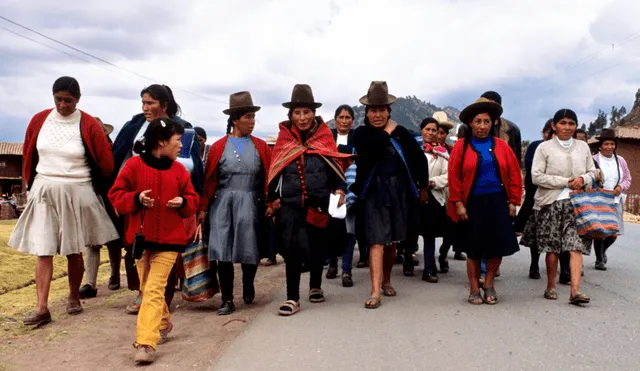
x: 482, y: 105
x: 241, y: 102
x: 378, y: 95
x: 108, y: 129
x: 302, y: 95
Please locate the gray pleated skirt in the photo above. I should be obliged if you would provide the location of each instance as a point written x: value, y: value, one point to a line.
x: 62, y: 218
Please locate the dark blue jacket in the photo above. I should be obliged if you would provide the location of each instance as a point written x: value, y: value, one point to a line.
x: 124, y: 143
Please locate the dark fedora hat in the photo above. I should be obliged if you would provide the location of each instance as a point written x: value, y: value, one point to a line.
x: 302, y: 95
x: 241, y: 102
x: 482, y: 105
x: 378, y: 95
x: 606, y: 134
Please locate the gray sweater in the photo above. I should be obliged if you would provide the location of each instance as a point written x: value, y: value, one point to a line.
x: 554, y: 165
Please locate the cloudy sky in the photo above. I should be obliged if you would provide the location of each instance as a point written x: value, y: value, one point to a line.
x: 541, y: 55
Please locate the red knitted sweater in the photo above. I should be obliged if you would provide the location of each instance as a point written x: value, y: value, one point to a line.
x: 97, y: 144
x: 163, y: 226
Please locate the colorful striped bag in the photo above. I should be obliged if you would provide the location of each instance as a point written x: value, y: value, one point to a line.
x: 198, y: 284
x: 595, y: 213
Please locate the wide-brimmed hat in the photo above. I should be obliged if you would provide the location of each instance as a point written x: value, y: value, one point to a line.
x: 108, y: 129
x: 482, y: 105
x: 378, y: 95
x: 606, y: 134
x: 302, y: 95
x: 241, y: 102
x: 443, y: 120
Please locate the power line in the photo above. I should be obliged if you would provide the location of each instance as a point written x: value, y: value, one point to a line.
x: 91, y: 56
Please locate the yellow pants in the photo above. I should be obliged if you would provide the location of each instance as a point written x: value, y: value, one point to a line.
x: 153, y: 269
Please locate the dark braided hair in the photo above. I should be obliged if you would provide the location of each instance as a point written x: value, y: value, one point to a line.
x: 234, y: 116
x: 158, y: 130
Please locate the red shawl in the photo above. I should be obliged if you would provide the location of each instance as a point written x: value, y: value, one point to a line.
x: 319, y: 141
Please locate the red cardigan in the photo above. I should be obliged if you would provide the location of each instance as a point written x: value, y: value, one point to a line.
x: 93, y: 137
x: 460, y: 184
x: 162, y: 225
x: 213, y: 158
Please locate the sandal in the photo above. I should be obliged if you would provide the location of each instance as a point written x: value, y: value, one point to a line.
x: 389, y: 291
x: 289, y: 308
x: 415, y: 260
x: 444, y: 264
x: 362, y: 264
x: 481, y: 281
x: 347, y: 281
x: 372, y: 303
x: 134, y: 307
x: 475, y: 299
x: 490, y: 292
x: 164, y: 334
x: 408, y: 270
x: 579, y: 298
x: 551, y: 294
x: 316, y: 295
x: 332, y: 273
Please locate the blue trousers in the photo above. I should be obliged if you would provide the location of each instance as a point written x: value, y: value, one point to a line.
x: 347, y: 257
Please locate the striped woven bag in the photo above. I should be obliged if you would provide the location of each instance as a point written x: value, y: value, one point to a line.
x: 198, y: 284
x: 595, y: 213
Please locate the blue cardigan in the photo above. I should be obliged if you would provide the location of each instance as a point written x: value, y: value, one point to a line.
x: 124, y: 143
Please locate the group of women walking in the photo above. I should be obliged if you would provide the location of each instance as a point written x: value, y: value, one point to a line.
x: 150, y: 193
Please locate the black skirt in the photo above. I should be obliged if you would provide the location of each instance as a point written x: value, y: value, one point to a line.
x: 433, y: 219
x: 489, y: 232
x: 297, y: 239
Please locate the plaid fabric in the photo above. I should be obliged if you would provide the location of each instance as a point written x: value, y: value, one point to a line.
x: 350, y: 176
x: 198, y: 281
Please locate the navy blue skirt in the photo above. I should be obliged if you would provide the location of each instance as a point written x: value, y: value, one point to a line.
x: 489, y: 232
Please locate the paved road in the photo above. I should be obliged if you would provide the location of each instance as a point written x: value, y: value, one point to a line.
x: 431, y: 327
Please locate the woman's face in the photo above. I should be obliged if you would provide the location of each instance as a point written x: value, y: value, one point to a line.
x: 152, y: 109
x: 65, y: 103
x: 302, y: 118
x: 607, y: 148
x: 430, y: 133
x: 244, y: 126
x: 171, y: 148
x: 565, y: 128
x: 378, y: 116
x: 481, y: 125
x: 442, y: 135
x: 344, y: 122
x: 546, y: 135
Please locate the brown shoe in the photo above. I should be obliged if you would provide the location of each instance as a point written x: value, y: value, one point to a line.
x: 37, y: 318
x: 74, y: 307
x: 164, y: 334
x: 145, y: 354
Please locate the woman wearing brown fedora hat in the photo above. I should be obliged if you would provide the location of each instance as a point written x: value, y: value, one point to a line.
x: 305, y: 170
x: 392, y: 174
x: 617, y: 178
x: 235, y: 198
x: 485, y: 185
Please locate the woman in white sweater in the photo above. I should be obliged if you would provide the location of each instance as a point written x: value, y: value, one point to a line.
x: 433, y: 215
x: 560, y: 165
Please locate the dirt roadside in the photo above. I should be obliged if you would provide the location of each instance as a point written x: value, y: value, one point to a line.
x: 101, y: 338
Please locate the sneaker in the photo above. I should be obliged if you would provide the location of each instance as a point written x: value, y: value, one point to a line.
x: 87, y: 291
x: 164, y: 334
x: 145, y: 354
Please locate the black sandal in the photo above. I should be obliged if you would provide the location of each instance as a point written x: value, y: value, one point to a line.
x: 289, y: 308
x: 444, y: 263
x: 316, y: 295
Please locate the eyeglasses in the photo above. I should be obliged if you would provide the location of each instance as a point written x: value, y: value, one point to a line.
x: 61, y: 99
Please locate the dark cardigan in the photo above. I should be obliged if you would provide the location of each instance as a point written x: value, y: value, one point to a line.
x: 345, y: 148
x: 371, y: 144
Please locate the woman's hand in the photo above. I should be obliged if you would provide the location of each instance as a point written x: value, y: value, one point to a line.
x: 175, y: 203
x: 424, y: 196
x: 512, y: 210
x: 201, y: 217
x: 461, y: 211
x: 617, y: 190
x: 391, y: 126
x: 145, y: 200
x: 343, y: 197
x: 272, y: 208
x: 432, y: 184
x: 576, y: 183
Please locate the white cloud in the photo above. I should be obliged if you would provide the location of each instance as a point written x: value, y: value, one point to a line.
x: 432, y: 49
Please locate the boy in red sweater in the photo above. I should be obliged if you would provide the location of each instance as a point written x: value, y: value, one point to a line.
x: 155, y: 191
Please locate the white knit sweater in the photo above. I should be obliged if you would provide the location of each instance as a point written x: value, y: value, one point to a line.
x: 61, y: 153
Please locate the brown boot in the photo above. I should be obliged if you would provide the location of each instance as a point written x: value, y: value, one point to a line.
x: 145, y: 354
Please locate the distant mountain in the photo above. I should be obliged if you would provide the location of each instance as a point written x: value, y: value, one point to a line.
x: 408, y: 112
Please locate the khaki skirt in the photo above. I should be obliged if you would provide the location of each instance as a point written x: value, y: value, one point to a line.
x: 62, y: 218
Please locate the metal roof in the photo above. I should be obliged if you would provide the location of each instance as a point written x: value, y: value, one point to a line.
x: 7, y: 148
